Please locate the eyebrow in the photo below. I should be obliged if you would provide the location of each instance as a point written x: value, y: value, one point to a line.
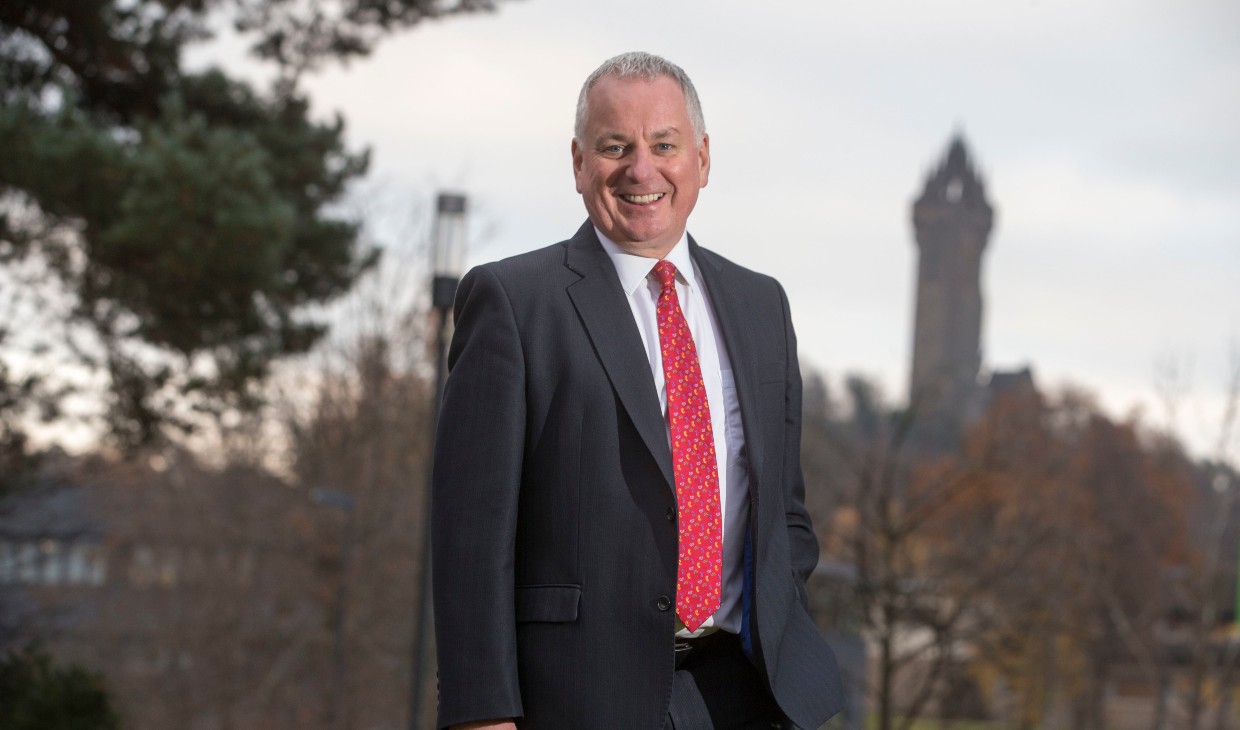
x: 613, y: 136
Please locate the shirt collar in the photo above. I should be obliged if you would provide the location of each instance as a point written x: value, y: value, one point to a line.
x: 633, y: 269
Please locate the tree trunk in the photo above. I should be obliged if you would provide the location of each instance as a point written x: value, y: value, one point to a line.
x: 1159, y: 721
x: 886, y: 678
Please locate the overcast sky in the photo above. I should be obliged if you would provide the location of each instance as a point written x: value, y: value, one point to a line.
x: 1108, y: 132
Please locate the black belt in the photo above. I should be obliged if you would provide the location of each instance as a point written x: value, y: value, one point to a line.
x: 705, y: 647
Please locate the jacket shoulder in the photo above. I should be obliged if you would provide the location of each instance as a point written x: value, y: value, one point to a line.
x: 734, y: 272
x: 525, y: 274
x: 531, y: 264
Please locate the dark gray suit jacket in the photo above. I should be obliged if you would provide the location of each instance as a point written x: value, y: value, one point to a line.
x: 554, y: 539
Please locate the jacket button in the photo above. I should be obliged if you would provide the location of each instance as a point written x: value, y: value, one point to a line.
x: 663, y: 603
x: 671, y: 514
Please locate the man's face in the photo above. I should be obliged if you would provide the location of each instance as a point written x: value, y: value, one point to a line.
x: 639, y: 165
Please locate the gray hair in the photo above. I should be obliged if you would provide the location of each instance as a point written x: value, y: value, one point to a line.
x: 641, y: 65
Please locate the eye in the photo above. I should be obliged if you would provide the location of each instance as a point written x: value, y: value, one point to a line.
x: 613, y: 150
x: 664, y: 147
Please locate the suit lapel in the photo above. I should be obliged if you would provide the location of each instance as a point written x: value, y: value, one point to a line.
x: 735, y: 325
x: 609, y: 322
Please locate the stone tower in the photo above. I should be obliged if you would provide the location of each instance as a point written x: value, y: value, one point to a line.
x: 951, y: 222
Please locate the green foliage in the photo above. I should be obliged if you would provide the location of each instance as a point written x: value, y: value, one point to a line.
x: 36, y: 694
x: 186, y: 217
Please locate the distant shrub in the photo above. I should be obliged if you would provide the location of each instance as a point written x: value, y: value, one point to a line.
x: 36, y: 694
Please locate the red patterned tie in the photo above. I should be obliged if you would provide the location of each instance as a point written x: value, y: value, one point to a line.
x: 700, y: 560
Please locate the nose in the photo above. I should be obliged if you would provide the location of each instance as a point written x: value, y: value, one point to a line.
x: 641, y: 165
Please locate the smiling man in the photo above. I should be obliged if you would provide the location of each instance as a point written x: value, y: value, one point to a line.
x: 619, y: 531
x: 640, y: 158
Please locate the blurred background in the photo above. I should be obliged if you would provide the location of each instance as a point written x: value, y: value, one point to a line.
x: 1009, y: 231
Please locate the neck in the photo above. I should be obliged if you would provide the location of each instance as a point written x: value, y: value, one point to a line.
x: 649, y: 249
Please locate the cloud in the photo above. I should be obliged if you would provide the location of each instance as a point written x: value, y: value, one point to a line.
x: 1106, y: 131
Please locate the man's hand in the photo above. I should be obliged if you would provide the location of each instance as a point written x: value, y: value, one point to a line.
x: 487, y: 725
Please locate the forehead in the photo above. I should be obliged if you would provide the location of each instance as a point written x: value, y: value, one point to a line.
x: 627, y: 101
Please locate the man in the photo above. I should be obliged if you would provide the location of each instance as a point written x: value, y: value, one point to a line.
x: 619, y: 531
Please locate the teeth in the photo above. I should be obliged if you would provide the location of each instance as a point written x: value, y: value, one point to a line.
x: 642, y: 198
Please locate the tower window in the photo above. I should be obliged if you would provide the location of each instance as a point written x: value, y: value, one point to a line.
x: 955, y: 190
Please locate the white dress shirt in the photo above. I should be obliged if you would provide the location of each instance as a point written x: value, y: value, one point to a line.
x: 642, y: 289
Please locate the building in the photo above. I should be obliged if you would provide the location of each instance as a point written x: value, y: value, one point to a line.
x: 204, y: 599
x: 952, y: 220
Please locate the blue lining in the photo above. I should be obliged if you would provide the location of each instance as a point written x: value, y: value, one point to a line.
x: 747, y: 598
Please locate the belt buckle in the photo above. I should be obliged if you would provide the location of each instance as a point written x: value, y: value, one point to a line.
x: 684, y: 650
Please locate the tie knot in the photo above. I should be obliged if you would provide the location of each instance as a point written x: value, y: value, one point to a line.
x: 666, y: 271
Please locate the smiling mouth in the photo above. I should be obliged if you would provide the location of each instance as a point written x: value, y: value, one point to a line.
x: 643, y: 199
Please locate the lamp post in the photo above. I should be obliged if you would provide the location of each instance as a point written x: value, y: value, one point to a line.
x: 447, y: 261
x: 345, y: 503
x: 447, y: 253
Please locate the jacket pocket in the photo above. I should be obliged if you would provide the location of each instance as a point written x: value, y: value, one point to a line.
x: 553, y: 603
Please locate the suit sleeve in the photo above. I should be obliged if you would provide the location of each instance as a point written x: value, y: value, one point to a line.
x: 474, y: 489
x: 802, y: 542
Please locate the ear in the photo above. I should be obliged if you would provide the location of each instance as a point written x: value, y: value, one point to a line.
x: 578, y: 159
x: 704, y: 159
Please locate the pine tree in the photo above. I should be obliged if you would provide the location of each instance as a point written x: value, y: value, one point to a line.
x: 185, y: 218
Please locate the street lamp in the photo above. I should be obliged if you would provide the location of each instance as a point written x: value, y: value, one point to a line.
x: 345, y: 503
x: 447, y: 251
x: 447, y: 262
